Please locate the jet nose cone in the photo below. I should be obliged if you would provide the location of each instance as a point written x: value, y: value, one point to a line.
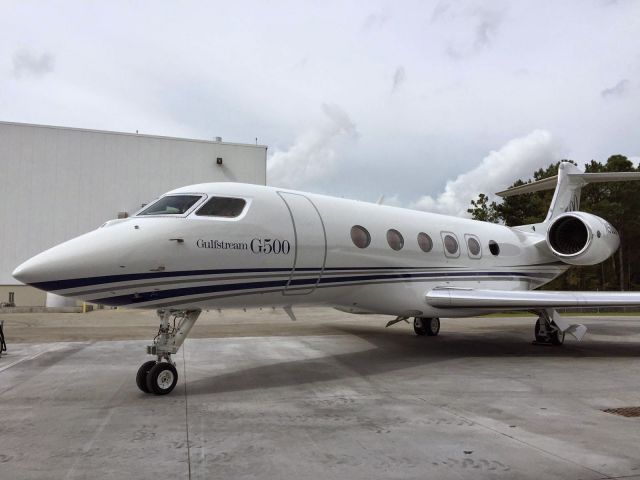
x: 18, y: 273
x: 30, y: 272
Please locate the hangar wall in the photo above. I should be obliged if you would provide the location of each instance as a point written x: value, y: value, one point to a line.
x: 59, y: 182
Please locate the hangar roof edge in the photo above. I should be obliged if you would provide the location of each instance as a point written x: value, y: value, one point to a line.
x: 111, y: 132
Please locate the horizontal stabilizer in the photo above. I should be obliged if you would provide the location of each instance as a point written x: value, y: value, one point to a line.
x: 550, y: 183
x: 567, y: 184
x: 527, y: 300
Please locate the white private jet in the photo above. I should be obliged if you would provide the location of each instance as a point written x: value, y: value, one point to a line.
x: 225, y: 245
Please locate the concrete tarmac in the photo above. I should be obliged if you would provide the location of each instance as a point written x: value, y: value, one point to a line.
x: 329, y: 396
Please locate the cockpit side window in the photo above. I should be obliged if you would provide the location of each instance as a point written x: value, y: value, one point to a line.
x: 171, y: 205
x: 222, y: 207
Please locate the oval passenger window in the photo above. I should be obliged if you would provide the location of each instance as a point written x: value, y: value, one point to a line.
x: 494, y: 248
x: 424, y: 242
x: 395, y: 240
x: 474, y: 246
x: 451, y: 244
x: 360, y: 236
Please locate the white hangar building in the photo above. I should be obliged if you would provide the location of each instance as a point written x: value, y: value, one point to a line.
x: 58, y: 182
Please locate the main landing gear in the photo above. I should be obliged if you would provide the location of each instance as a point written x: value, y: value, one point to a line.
x: 429, y: 326
x: 546, y: 331
x: 426, y: 326
x: 160, y: 376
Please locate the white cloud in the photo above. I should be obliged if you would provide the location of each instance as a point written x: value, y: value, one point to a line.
x: 617, y: 90
x: 375, y: 20
x: 313, y: 155
x: 26, y: 63
x: 470, y: 26
x: 518, y: 158
x: 399, y: 77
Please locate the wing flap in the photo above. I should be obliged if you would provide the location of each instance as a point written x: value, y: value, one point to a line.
x: 527, y: 300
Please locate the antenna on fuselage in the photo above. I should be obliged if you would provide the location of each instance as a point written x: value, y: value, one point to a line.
x: 289, y: 310
x: 380, y: 200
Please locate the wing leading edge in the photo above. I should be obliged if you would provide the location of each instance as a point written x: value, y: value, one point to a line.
x: 445, y: 297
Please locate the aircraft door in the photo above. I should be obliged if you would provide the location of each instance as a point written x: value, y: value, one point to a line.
x: 310, y: 244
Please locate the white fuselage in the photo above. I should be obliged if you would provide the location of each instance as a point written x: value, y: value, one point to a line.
x: 286, y: 248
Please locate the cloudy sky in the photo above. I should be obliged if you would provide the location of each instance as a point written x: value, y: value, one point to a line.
x: 428, y: 103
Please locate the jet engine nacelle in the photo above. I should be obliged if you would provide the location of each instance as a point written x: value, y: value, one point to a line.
x: 579, y: 238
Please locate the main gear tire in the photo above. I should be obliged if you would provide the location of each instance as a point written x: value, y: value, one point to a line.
x: 162, y: 378
x: 141, y: 376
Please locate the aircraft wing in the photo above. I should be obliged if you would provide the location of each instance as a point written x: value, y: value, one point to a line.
x: 446, y: 297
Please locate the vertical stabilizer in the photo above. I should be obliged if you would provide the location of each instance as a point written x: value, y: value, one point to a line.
x: 566, y: 198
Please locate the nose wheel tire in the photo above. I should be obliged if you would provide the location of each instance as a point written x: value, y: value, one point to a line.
x: 426, y: 326
x: 141, y: 376
x: 162, y: 378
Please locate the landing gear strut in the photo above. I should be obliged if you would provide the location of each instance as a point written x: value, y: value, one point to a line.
x: 546, y: 331
x: 426, y: 326
x: 160, y: 376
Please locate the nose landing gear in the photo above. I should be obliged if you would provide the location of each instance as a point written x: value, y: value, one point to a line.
x: 160, y: 376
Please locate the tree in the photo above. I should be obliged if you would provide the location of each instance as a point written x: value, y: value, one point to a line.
x: 484, y: 211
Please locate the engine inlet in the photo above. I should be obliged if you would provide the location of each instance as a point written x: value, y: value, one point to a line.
x: 568, y: 235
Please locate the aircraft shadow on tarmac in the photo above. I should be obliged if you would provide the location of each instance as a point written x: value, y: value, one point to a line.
x: 394, y: 350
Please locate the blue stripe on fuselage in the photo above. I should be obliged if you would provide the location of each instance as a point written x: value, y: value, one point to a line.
x: 89, y: 281
x: 142, y: 297
x: 55, y: 285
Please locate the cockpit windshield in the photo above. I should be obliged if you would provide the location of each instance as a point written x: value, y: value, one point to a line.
x: 222, y: 207
x: 171, y: 205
